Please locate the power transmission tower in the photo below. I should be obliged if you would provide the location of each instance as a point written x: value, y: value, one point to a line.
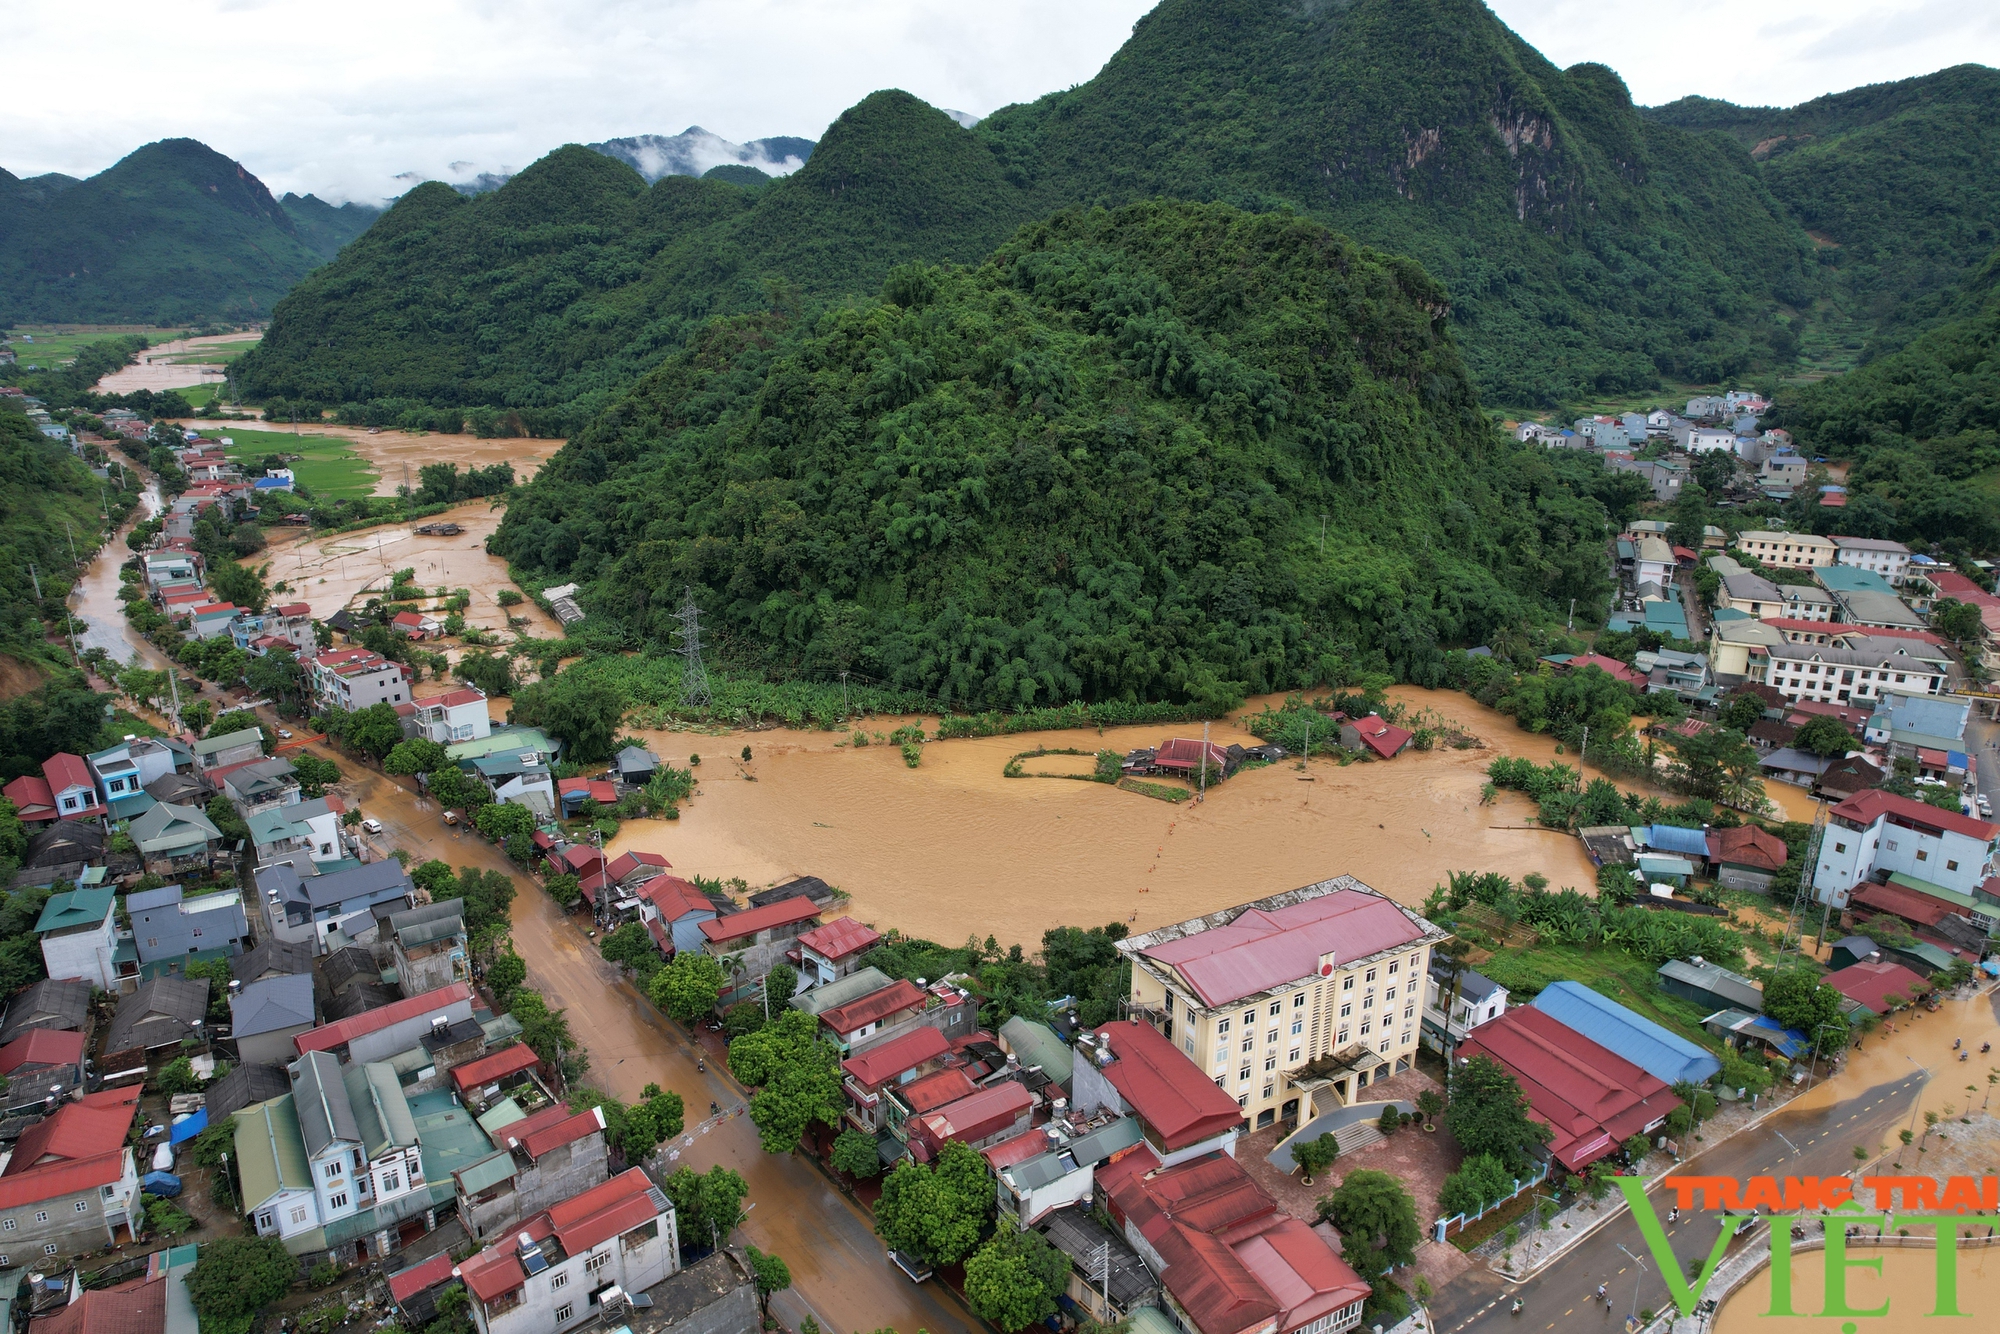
x: 1802, y: 898
x: 694, y: 676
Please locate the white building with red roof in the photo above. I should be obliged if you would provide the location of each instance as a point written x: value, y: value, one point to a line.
x: 1131, y: 1069
x: 457, y: 715
x: 1937, y: 852
x: 72, y: 787
x: 355, y: 678
x: 71, y: 1182
x: 1305, y: 995
x: 829, y: 953
x: 553, y: 1274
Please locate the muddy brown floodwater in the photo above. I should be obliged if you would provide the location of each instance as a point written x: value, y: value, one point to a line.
x: 952, y: 848
x: 162, y: 367
x: 1907, y: 1282
x: 395, y: 454
x: 331, y: 570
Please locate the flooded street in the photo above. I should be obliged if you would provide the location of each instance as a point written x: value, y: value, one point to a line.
x: 95, y: 598
x: 953, y: 848
x: 838, y: 1267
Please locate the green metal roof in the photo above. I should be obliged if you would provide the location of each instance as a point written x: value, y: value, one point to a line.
x: 449, y: 1136
x: 487, y: 1173
x: 167, y: 827
x: 76, y: 907
x: 1951, y: 896
x: 1038, y: 1044
x: 270, y: 1150
x: 500, y: 1115
x: 229, y: 741
x: 381, y: 1111
x: 499, y: 741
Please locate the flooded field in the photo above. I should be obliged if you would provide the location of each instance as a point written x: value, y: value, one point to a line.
x: 330, y: 571
x: 953, y: 848
x: 396, y: 454
x: 173, y: 365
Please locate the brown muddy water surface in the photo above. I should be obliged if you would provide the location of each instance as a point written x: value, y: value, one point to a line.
x: 953, y: 849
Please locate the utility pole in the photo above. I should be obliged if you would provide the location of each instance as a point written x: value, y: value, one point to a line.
x: 1583, y: 752
x: 1572, y: 613
x: 1322, y: 534
x: 843, y: 695
x: 1100, y: 1269
x: 694, y: 677
x: 36, y: 579
x: 174, y: 685
x: 1201, y: 793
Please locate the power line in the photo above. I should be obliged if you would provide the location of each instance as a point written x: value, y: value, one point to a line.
x: 694, y: 677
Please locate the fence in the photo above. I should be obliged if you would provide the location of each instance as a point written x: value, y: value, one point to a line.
x: 1444, y: 1227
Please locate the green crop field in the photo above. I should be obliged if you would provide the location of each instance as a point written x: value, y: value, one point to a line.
x: 50, y: 348
x: 330, y: 467
x: 198, y: 395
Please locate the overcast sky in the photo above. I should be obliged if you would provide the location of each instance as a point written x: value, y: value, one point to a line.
x: 355, y: 100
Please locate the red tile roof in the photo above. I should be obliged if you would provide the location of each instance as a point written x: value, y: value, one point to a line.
x: 579, y: 857
x: 136, y: 1307
x: 1631, y: 676
x: 1747, y: 845
x: 1186, y: 753
x: 1864, y: 808
x: 1591, y: 1098
x: 1233, y: 1261
x: 1808, y: 708
x: 64, y: 770
x: 839, y: 938
x: 41, y: 1046
x: 976, y: 1116
x: 31, y: 797
x: 675, y: 897
x: 293, y: 609
x: 1178, y: 1103
x: 902, y: 994
x: 785, y: 912
x: 453, y: 698
x: 880, y: 1064
x: 79, y: 1130
x: 939, y: 1090
x: 1908, y: 904
x: 1869, y: 983
x: 625, y: 863
x: 409, y: 1282
x: 540, y: 1139
x: 409, y: 618
x: 63, y: 1177
x: 341, y: 1032
x: 579, y: 1223
x: 1384, y: 738
x: 1030, y: 1143
x: 495, y: 1065
x: 1267, y: 947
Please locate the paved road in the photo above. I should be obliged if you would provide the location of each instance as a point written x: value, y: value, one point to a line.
x: 1792, y: 1142
x: 838, y: 1266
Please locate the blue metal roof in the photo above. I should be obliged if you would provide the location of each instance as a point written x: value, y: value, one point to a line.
x: 1673, y: 838
x: 1664, y: 1055
x: 1790, y: 1041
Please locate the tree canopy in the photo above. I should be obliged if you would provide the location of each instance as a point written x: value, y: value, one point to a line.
x: 1489, y: 1114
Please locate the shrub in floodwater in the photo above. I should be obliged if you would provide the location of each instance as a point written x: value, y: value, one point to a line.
x: 913, y: 754
x: 860, y: 739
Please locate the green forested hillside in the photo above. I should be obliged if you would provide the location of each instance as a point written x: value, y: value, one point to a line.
x: 1585, y: 249
x: 325, y: 227
x: 173, y: 233
x: 1922, y: 427
x: 1898, y: 182
x: 41, y: 485
x: 1098, y: 465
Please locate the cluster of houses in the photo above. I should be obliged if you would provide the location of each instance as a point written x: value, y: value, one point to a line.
x: 1725, y: 423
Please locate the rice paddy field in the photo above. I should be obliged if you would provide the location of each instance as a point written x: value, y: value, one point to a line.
x: 329, y: 465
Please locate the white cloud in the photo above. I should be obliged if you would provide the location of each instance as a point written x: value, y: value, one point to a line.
x: 354, y: 100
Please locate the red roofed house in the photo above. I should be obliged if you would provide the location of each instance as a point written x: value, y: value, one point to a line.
x: 137, y: 1306
x: 1745, y: 857
x: 488, y: 1078
x: 538, y: 1161
x: 1131, y: 1069
x: 757, y: 939
x: 1190, y: 759
x: 829, y: 953
x: 997, y: 1112
x: 575, y: 791
x: 44, y: 1056
x: 1592, y: 1099
x: 1916, y: 844
x: 72, y: 1182
x: 415, y: 625
x: 901, y: 1061
x: 632, y: 869
x: 1385, y: 740
x: 622, y: 1232
x: 455, y: 716
x: 1631, y: 676
x: 378, y: 1034
x: 890, y: 1007
x: 33, y: 801
x: 72, y: 789
x: 1323, y: 984
x: 415, y: 1290
x: 1871, y: 984
x: 1230, y: 1262
x: 679, y: 909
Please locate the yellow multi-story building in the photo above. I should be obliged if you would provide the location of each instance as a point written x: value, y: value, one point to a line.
x: 1310, y: 994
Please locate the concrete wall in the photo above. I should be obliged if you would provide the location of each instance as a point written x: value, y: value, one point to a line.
x: 85, y: 954
x: 549, y: 1180
x: 57, y: 1221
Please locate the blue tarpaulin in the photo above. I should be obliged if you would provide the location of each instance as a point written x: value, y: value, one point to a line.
x: 163, y: 1184
x: 189, y: 1126
x: 1673, y: 838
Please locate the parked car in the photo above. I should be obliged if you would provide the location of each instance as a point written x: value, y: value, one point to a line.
x: 283, y: 735
x: 917, y: 1270
x: 371, y: 826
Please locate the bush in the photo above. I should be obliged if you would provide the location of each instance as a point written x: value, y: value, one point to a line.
x: 508, y: 597
x: 176, y: 1077
x: 1390, y: 1121
x: 1316, y: 1155
x: 236, y: 1277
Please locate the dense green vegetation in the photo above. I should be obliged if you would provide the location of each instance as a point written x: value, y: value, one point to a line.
x: 1895, y: 182
x: 1587, y: 247
x: 1092, y: 468
x: 1922, y: 427
x: 172, y: 232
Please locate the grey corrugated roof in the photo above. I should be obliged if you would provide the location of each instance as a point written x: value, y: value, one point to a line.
x: 160, y: 1012
x: 859, y: 983
x: 274, y: 956
x: 49, y: 1003
x: 381, y: 1111
x: 1472, y: 985
x: 323, y: 891
x: 228, y: 741
x: 1732, y: 987
x: 320, y: 1095
x: 242, y: 1087
x: 272, y: 1003
x: 432, y: 922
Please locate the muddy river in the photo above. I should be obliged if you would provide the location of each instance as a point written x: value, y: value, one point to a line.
x: 171, y: 365
x: 953, y: 848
